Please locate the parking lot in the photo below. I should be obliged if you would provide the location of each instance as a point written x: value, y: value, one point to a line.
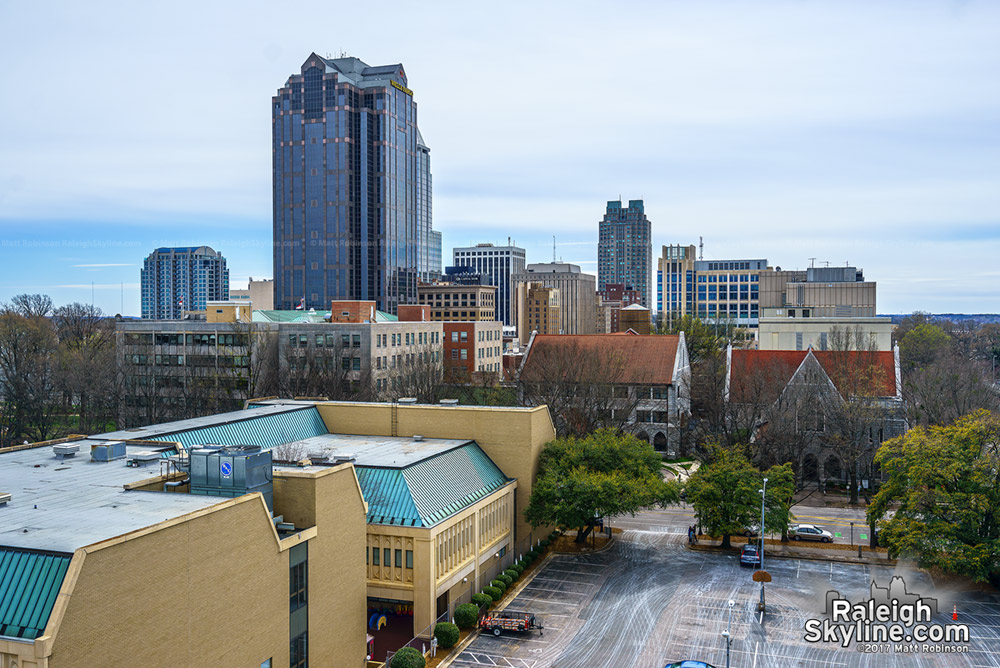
x: 648, y: 601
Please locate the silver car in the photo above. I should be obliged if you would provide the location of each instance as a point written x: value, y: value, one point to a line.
x: 809, y: 532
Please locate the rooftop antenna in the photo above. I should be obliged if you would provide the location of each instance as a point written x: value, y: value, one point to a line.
x: 553, y: 248
x: 701, y: 248
x: 812, y: 262
x: 826, y: 262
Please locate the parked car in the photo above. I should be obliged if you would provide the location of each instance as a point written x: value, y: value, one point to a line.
x: 689, y: 664
x: 750, y: 555
x: 751, y: 531
x: 809, y: 532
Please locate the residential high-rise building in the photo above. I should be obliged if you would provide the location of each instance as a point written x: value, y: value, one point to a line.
x: 625, y: 248
x: 175, y: 280
x: 351, y: 185
x: 498, y: 264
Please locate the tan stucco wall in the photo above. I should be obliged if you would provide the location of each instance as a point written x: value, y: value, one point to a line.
x: 211, y: 588
x: 512, y: 437
x: 209, y: 591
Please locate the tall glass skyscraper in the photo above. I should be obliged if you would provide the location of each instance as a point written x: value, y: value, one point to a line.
x: 625, y: 248
x: 351, y: 184
x: 175, y: 280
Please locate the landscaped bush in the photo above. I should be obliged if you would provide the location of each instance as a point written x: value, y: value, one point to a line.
x: 446, y: 633
x: 466, y: 615
x: 481, y: 599
x: 513, y: 573
x: 408, y: 658
x: 507, y: 580
x: 545, y: 543
x: 494, y: 593
x: 499, y: 584
x: 519, y: 567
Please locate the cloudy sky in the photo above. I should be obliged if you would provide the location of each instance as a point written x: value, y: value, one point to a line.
x: 861, y: 132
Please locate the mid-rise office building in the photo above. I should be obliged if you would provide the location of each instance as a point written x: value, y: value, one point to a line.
x: 351, y: 187
x: 538, y: 310
x: 498, y: 264
x: 473, y: 351
x: 576, y: 293
x: 458, y: 302
x: 625, y: 248
x: 712, y: 290
x: 175, y: 280
x: 258, y: 293
x: 610, y: 301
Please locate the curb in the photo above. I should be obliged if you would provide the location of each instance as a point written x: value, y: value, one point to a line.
x: 603, y: 549
x: 510, y: 595
x: 807, y: 557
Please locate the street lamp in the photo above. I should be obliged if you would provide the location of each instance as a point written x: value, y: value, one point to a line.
x: 727, y: 633
x: 762, y: 491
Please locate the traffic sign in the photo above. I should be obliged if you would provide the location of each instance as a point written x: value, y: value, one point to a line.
x: 226, y: 469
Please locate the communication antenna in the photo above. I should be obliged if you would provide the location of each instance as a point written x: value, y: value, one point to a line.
x: 812, y: 262
x: 701, y: 248
x: 553, y: 248
x: 827, y: 263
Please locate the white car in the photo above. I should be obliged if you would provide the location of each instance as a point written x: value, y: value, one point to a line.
x: 809, y: 532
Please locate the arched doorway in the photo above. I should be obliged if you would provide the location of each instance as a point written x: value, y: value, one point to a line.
x: 832, y: 468
x: 810, y: 467
x: 642, y: 436
x: 660, y: 441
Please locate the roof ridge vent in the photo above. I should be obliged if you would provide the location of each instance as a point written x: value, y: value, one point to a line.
x: 418, y: 438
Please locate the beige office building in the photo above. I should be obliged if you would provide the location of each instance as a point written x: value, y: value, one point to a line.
x: 453, y: 302
x: 537, y: 308
x: 576, y: 293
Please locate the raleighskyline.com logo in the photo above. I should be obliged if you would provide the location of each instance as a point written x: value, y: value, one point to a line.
x: 890, y: 620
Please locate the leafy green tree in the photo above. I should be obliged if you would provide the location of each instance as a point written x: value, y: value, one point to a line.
x: 725, y: 496
x: 605, y: 473
x: 922, y: 345
x: 703, y: 341
x: 944, y: 484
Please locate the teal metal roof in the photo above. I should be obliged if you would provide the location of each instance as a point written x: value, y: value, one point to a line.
x: 29, y: 584
x: 431, y: 490
x: 267, y: 431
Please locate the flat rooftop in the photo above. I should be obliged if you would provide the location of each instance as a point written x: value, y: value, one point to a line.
x: 377, y: 451
x: 61, y: 505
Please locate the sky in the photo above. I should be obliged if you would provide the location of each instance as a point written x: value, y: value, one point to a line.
x: 851, y: 132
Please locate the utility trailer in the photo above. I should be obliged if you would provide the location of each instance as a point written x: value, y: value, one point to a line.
x: 498, y: 622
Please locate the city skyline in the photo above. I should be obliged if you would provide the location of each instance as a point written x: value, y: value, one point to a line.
x: 789, y: 132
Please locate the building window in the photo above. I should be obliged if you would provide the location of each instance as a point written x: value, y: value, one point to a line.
x: 356, y: 340
x: 375, y: 555
x: 409, y: 559
x: 298, y: 653
x: 399, y: 558
x: 454, y: 337
x: 297, y: 582
x: 388, y: 556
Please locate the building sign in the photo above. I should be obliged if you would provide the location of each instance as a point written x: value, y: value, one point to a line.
x: 402, y: 88
x: 226, y: 469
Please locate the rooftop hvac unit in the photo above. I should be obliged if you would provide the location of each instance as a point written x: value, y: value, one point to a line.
x: 107, y: 452
x: 231, y: 471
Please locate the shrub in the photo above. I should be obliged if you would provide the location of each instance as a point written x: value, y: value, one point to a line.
x: 493, y: 593
x: 466, y: 615
x: 513, y: 573
x: 507, y: 580
x: 533, y: 553
x: 544, y: 544
x: 499, y: 584
x: 519, y: 567
x: 446, y: 633
x: 481, y: 599
x: 408, y: 658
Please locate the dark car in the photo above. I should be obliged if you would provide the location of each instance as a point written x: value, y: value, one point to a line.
x: 750, y: 555
x: 689, y: 664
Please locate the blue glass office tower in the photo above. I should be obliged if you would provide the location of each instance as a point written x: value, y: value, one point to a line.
x: 175, y: 280
x: 348, y: 163
x: 625, y: 248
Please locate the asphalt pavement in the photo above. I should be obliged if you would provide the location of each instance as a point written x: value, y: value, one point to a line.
x: 648, y: 601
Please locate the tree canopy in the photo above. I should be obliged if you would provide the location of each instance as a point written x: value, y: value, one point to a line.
x: 726, y: 499
x: 604, y: 473
x: 944, y: 484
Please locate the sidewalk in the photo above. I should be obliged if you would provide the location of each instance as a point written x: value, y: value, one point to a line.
x: 814, y: 551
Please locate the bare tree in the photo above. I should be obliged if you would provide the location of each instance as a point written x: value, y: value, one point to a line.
x: 27, y: 346
x: 584, y: 391
x: 84, y: 366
